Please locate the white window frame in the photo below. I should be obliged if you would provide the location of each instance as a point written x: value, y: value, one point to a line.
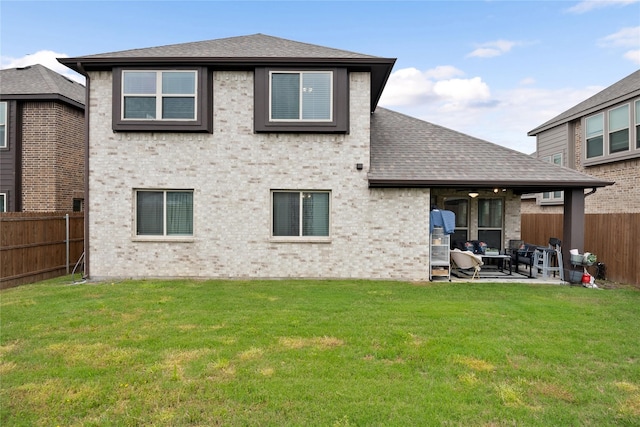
x: 164, y: 236
x: 3, y: 202
x: 637, y: 124
x: 601, y: 134
x: 611, y: 130
x: 3, y: 122
x: 300, y: 118
x: 158, y: 95
x: 554, y: 197
x: 300, y: 237
x: 633, y: 150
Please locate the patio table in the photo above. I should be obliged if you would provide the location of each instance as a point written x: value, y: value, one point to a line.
x: 502, y: 259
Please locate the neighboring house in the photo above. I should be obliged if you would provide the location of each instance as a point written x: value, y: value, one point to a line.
x: 42, y: 134
x: 257, y: 156
x: 601, y: 137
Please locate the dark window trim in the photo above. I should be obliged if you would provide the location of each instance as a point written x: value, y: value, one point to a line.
x: 202, y: 123
x: 340, y: 123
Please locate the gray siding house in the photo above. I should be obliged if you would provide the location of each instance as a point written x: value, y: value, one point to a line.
x: 257, y: 156
x: 601, y: 137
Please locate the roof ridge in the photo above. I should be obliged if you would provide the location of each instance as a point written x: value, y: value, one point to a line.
x: 47, y: 78
x: 235, y: 43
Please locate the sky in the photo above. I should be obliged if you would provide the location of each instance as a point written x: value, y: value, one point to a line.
x: 492, y: 69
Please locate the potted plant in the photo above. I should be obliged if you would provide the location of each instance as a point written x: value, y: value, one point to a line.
x: 589, y: 259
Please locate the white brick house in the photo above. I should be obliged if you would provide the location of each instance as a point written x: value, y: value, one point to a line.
x: 202, y: 172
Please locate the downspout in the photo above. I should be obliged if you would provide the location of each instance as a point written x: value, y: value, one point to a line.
x: 82, y: 71
x: 593, y: 190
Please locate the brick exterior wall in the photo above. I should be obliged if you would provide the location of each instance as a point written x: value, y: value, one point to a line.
x: 624, y: 195
x: 375, y: 233
x: 52, y: 156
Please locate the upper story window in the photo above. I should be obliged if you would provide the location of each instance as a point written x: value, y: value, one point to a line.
x: 301, y: 100
x: 162, y: 100
x: 3, y: 125
x: 595, y: 136
x: 159, y: 95
x: 613, y: 134
x: 637, y: 108
x: 619, y: 129
x: 301, y: 96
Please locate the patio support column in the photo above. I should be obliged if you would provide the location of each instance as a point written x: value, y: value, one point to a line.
x: 572, y: 226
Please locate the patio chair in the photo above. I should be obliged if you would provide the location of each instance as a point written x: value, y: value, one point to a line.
x: 466, y: 260
x: 522, y: 253
x: 549, y: 259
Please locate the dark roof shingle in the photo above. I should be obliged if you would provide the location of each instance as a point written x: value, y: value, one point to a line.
x: 39, y: 82
x: 411, y: 152
x: 242, y: 52
x: 252, y: 46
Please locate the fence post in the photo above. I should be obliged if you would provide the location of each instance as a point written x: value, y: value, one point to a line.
x: 66, y: 220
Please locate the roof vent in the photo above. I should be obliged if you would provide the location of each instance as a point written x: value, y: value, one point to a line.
x: 23, y: 68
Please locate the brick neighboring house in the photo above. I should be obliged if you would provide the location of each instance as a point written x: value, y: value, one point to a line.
x: 257, y: 156
x: 601, y: 137
x: 42, y: 134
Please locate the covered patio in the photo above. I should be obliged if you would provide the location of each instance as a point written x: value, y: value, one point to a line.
x: 480, y: 181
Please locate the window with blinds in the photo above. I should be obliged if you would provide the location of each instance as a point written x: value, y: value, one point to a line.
x: 164, y: 213
x: 300, y: 213
x: 301, y: 96
x: 3, y: 125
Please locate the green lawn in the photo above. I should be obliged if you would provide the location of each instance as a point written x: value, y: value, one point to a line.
x: 325, y: 353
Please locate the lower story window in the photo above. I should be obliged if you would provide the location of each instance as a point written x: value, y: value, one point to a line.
x: 490, y: 214
x: 300, y: 213
x: 460, y: 207
x: 3, y: 202
x: 164, y: 212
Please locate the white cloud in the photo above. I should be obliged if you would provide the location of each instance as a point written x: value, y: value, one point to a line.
x: 462, y: 93
x: 43, y: 57
x: 628, y: 37
x: 443, y: 72
x: 469, y: 106
x: 410, y: 86
x: 491, y: 49
x: 633, y: 56
x: 589, y: 5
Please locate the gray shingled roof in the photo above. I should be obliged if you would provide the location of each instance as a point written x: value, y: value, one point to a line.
x: 406, y: 151
x: 252, y: 46
x: 626, y: 88
x: 243, y: 52
x: 39, y: 82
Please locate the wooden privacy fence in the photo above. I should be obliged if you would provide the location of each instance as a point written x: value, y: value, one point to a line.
x: 612, y: 237
x: 37, y: 246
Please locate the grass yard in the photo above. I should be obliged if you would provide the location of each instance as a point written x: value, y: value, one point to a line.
x: 325, y: 353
